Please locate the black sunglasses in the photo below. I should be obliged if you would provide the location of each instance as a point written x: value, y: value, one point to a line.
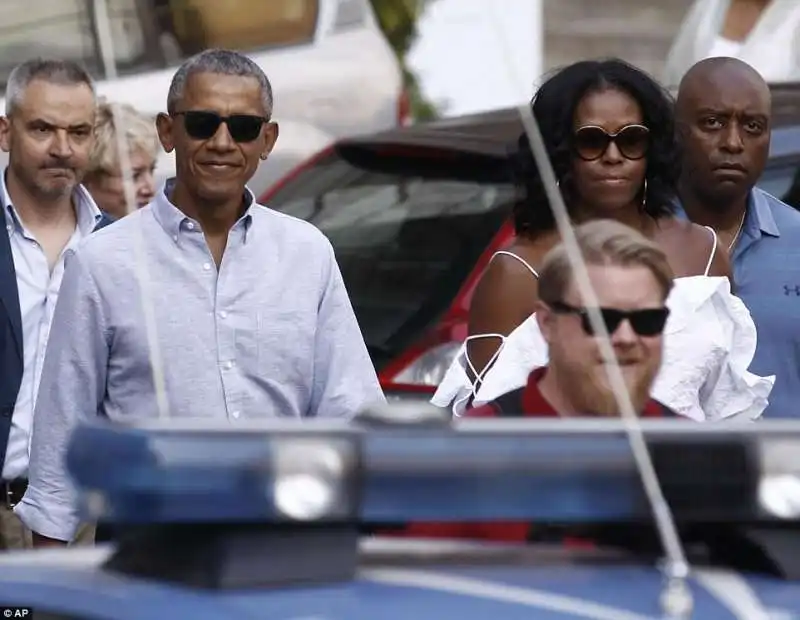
x: 203, y: 125
x: 591, y: 142
x: 645, y: 322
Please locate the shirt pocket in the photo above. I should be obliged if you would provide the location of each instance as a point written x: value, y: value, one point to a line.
x: 284, y: 347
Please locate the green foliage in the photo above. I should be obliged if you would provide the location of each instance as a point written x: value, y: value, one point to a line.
x: 398, y: 20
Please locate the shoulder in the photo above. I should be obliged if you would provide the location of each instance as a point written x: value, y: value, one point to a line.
x: 685, y: 231
x: 488, y: 410
x: 507, y: 286
x: 513, y: 264
x: 286, y: 224
x: 656, y: 408
x: 689, y: 248
x: 290, y: 230
x: 112, y: 236
x: 786, y: 217
x: 110, y: 253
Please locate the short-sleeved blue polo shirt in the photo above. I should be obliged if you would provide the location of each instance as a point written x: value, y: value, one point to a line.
x: 766, y: 270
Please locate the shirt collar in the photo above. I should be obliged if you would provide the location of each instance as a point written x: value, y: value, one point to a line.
x: 533, y: 402
x: 173, y: 220
x: 759, y: 213
x: 87, y: 213
x: 758, y: 217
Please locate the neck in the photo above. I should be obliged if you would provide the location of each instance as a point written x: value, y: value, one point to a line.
x: 215, y: 218
x: 720, y: 215
x: 36, y: 210
x: 632, y: 216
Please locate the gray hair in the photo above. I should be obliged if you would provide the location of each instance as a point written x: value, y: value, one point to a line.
x: 51, y: 70
x: 222, y: 62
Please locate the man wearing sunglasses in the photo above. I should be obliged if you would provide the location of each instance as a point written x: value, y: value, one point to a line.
x: 631, y: 278
x: 239, y: 312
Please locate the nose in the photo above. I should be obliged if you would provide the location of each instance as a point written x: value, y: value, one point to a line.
x: 222, y: 141
x: 624, y: 336
x: 732, y: 141
x: 145, y: 188
x: 612, y: 153
x: 60, y: 145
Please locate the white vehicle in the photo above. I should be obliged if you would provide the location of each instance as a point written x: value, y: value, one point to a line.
x: 332, y: 70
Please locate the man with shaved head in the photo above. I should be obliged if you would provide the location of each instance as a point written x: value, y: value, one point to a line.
x: 724, y: 115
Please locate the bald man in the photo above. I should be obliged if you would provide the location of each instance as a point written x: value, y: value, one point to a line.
x: 724, y: 114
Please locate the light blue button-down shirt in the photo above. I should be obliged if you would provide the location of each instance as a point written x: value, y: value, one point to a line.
x: 766, y: 270
x: 38, y: 288
x: 271, y: 333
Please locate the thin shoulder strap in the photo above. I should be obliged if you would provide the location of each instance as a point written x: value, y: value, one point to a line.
x: 713, y: 249
x: 519, y: 258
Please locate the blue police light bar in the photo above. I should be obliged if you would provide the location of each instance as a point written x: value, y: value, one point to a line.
x: 564, y: 471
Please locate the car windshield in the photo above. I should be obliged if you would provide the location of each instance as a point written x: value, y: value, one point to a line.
x: 405, y: 243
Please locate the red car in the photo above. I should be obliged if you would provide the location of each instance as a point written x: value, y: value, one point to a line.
x: 415, y: 214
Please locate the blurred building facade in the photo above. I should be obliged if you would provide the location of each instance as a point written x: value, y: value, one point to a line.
x: 639, y: 31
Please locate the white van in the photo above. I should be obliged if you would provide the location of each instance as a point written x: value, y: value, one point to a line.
x: 332, y: 70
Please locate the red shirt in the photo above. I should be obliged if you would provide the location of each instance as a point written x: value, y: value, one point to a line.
x: 533, y: 405
x: 529, y: 402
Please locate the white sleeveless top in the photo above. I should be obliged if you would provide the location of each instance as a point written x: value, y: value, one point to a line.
x: 709, y: 343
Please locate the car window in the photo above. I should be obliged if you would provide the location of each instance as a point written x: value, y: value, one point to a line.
x: 405, y: 244
x: 783, y: 181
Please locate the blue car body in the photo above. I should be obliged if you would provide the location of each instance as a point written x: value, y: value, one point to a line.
x: 77, y: 588
x: 402, y: 474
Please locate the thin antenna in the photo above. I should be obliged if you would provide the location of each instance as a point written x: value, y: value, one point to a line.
x: 140, y: 264
x: 676, y: 599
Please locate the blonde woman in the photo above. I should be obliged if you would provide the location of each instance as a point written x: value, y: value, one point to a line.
x: 104, y: 179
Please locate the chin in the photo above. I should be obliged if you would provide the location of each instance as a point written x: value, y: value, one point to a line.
x: 637, y: 382
x: 612, y: 205
x: 219, y: 191
x: 57, y: 189
x: 724, y: 192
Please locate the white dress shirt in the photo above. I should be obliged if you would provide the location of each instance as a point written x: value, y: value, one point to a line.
x: 38, y: 292
x: 269, y: 333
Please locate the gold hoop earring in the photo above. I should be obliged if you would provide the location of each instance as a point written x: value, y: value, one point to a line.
x: 644, y: 194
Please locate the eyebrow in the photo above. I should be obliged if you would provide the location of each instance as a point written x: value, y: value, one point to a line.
x: 727, y: 112
x: 43, y: 122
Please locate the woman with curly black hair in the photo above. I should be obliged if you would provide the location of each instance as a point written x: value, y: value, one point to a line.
x: 609, y: 131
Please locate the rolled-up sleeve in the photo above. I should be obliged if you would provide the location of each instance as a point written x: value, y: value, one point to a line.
x: 344, y: 376
x: 71, y: 390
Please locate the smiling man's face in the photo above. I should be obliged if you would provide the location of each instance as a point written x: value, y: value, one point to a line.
x: 216, y: 168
